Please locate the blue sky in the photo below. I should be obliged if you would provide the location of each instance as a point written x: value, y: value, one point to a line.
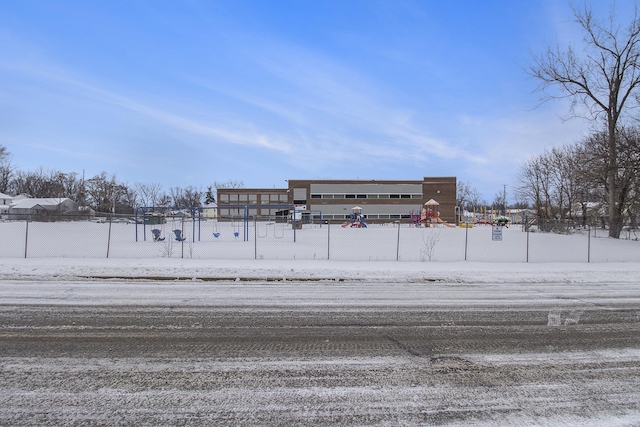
x: 191, y: 92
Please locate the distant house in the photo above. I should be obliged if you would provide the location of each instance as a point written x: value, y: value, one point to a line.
x: 209, y: 210
x: 5, y: 201
x: 41, y: 208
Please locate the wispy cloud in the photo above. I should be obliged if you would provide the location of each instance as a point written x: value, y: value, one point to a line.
x: 338, y: 109
x: 46, y: 71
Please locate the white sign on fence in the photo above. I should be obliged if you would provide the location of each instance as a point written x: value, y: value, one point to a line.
x: 496, y: 233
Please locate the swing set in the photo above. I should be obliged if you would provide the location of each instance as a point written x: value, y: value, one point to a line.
x: 157, y: 215
x: 144, y: 214
x: 278, y: 232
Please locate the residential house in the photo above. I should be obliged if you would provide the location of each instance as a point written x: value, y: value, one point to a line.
x: 5, y: 201
x: 42, y: 209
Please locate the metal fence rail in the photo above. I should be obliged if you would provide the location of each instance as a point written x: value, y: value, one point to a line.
x: 273, y: 239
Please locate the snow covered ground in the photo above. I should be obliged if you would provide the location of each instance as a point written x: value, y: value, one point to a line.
x: 273, y: 241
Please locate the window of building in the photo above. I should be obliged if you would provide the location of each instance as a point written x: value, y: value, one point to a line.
x: 316, y: 196
x: 394, y: 196
x: 349, y: 196
x: 361, y: 196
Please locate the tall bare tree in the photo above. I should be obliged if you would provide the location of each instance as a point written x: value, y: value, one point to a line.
x: 627, y: 179
x: 149, y: 194
x: 604, y: 77
x: 6, y: 169
x: 105, y: 194
x: 468, y: 197
x: 186, y: 197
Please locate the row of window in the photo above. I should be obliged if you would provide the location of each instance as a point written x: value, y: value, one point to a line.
x: 367, y: 216
x: 366, y: 196
x: 229, y: 213
x: 252, y: 199
x: 225, y: 214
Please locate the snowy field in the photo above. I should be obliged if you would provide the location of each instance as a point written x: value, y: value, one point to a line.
x: 274, y: 241
x: 155, y: 340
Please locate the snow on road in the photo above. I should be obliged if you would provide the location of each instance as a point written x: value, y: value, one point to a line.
x: 210, y: 342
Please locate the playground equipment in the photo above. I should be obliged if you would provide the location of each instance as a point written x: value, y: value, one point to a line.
x: 236, y: 227
x: 150, y: 215
x: 430, y: 216
x: 357, y: 219
x: 179, y: 237
x: 142, y: 214
x: 262, y: 231
x: 502, y: 221
x: 236, y: 221
x: 156, y: 235
x: 216, y: 229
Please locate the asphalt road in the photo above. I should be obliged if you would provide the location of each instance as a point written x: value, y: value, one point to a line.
x: 318, y: 354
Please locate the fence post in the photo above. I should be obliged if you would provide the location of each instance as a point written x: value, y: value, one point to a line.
x: 398, y: 244
x: 109, y: 235
x: 255, y: 237
x: 26, y: 238
x: 182, y: 234
x: 328, y: 241
x: 589, y: 243
x: 466, y: 240
x: 528, y: 228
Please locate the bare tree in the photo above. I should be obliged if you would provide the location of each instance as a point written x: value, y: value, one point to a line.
x: 562, y: 180
x: 500, y: 203
x: 535, y: 184
x: 149, y: 194
x: 468, y: 197
x: 604, y: 78
x: 188, y: 196
x: 463, y: 194
x: 627, y: 179
x: 105, y: 194
x: 6, y: 169
x: 42, y: 183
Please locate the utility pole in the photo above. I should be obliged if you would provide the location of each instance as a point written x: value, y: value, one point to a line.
x: 504, y: 199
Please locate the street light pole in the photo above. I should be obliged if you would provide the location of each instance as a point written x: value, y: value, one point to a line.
x: 504, y: 199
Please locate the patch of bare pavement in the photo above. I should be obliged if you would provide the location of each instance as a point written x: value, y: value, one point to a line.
x: 318, y: 354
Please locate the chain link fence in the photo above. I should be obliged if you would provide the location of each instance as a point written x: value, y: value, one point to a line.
x: 275, y: 239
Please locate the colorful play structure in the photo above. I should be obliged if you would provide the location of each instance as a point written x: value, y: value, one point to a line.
x: 429, y: 216
x: 356, y: 219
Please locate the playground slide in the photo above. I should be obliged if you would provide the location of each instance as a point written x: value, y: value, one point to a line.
x: 446, y: 224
